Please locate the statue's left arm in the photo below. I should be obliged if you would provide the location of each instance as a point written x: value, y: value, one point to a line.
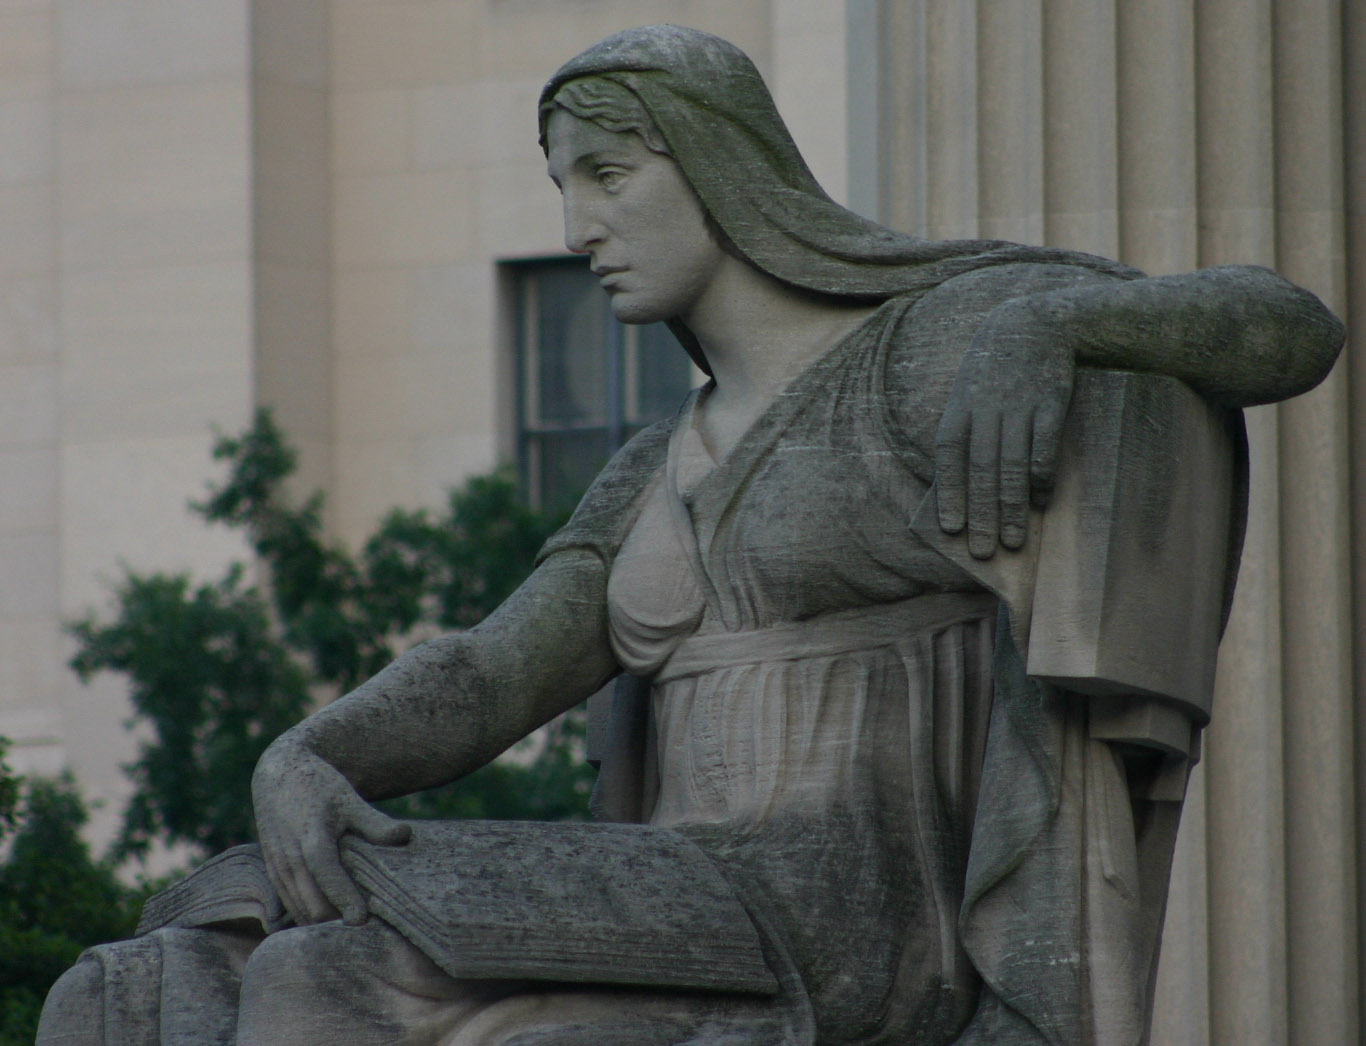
x: 1238, y: 335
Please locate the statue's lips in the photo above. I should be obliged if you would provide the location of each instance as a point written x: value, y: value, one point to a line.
x: 606, y: 276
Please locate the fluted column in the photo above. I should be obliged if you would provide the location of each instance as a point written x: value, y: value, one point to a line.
x: 951, y: 119
x: 1316, y: 597
x: 1354, y: 166
x: 1244, y: 765
x: 1174, y: 134
x: 1081, y: 159
x: 1155, y: 40
x: 903, y: 184
x: 1010, y: 119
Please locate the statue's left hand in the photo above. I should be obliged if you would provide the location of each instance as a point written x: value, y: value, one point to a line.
x: 996, y: 451
x: 303, y: 808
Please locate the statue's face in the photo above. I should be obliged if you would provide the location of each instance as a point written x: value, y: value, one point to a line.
x: 635, y: 215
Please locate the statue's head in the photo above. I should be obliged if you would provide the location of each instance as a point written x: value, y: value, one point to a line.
x: 651, y: 218
x: 699, y: 102
x: 696, y: 103
x: 696, y: 99
x: 705, y: 104
x: 609, y: 103
x: 628, y: 206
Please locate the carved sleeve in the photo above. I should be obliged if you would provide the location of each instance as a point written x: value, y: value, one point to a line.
x: 1238, y: 334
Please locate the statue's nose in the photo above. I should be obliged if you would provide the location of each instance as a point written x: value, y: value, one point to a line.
x: 582, y: 229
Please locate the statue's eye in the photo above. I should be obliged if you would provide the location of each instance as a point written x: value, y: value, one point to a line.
x: 610, y: 178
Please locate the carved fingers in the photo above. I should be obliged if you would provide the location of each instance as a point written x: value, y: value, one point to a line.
x: 303, y: 808
x: 302, y: 875
x: 1016, y: 443
x: 951, y: 463
x: 997, y: 447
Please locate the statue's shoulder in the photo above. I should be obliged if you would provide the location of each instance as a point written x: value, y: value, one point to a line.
x: 605, y: 513
x: 931, y: 330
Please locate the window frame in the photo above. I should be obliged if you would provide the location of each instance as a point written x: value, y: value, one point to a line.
x: 622, y: 346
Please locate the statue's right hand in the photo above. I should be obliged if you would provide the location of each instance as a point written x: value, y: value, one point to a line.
x: 1000, y: 437
x: 303, y: 808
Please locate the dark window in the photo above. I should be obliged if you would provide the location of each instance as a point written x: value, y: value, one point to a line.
x: 586, y: 383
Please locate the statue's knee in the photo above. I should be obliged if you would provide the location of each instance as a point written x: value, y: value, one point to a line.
x: 279, y: 996
x: 306, y: 962
x: 74, y: 1011
x: 303, y: 983
x: 284, y: 956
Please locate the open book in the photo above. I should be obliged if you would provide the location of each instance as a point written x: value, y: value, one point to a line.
x: 586, y: 903
x: 231, y: 890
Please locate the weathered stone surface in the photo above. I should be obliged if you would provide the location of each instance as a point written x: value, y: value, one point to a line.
x: 886, y: 703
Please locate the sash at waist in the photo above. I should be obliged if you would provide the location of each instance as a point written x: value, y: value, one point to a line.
x: 827, y: 635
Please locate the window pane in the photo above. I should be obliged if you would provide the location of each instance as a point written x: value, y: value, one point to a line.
x: 586, y: 383
x: 567, y: 463
x: 663, y: 373
x: 571, y: 319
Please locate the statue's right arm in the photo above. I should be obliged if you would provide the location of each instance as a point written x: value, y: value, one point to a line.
x: 440, y: 711
x: 1237, y: 334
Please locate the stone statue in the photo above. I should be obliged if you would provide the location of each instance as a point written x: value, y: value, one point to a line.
x: 899, y: 743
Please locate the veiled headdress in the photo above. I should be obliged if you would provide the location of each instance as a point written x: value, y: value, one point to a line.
x: 720, y: 124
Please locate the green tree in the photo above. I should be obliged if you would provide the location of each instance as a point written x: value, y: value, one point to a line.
x: 209, y: 673
x: 55, y: 899
x: 219, y: 669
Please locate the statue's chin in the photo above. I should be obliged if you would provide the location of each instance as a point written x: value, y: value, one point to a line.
x: 628, y: 308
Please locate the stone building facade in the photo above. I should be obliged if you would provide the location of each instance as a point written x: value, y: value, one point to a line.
x: 210, y: 205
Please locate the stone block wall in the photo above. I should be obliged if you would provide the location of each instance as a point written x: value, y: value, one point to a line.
x: 125, y: 328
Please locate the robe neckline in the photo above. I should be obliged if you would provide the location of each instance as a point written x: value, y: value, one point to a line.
x: 701, y: 512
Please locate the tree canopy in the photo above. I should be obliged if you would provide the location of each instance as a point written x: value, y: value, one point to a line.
x: 55, y: 899
x: 219, y: 669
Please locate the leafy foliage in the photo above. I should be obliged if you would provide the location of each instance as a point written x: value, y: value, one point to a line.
x: 347, y: 614
x: 10, y: 794
x: 220, y: 669
x: 209, y: 674
x: 55, y: 900
x: 545, y: 780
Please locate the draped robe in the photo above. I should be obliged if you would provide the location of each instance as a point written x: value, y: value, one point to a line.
x: 840, y: 780
x: 839, y: 738
x: 931, y: 845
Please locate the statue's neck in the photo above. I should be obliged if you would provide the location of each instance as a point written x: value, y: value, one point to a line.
x: 758, y: 334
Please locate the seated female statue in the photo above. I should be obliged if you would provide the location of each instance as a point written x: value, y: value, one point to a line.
x: 862, y: 821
